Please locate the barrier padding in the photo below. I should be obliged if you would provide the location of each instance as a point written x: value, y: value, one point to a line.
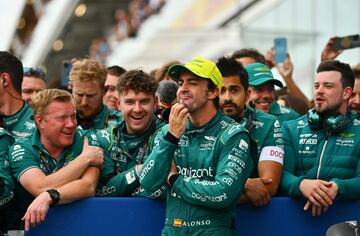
x: 139, y: 216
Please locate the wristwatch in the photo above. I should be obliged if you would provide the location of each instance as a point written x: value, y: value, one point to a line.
x: 173, y: 178
x: 55, y: 196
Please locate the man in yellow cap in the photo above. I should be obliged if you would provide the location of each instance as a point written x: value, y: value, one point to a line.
x: 203, y: 156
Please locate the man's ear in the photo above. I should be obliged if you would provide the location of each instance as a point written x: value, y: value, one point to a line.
x: 214, y: 93
x: 247, y: 94
x: 118, y: 104
x: 39, y: 121
x: 5, y: 80
x: 347, y: 93
x: 156, y: 102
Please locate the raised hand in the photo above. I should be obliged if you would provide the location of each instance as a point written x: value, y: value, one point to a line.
x: 177, y: 119
x: 329, y: 53
x: 94, y: 155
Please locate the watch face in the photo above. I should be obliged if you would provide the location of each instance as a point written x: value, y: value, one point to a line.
x: 55, y: 196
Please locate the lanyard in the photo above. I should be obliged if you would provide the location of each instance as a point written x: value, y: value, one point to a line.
x: 140, y: 153
x: 106, y: 119
x: 46, y: 164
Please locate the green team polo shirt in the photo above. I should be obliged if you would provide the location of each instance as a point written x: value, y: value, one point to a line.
x: 319, y: 154
x: 265, y: 130
x: 5, y: 173
x: 21, y: 124
x: 213, y: 162
x: 29, y: 153
x: 283, y: 113
x: 122, y: 153
x: 106, y: 118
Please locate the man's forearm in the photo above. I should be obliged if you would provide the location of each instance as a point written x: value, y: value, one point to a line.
x: 80, y: 188
x: 73, y: 171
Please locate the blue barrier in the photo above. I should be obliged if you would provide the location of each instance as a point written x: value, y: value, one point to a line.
x: 138, y: 216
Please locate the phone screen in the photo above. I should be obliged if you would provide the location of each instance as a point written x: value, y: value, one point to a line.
x: 347, y: 42
x: 280, y: 50
x: 66, y: 67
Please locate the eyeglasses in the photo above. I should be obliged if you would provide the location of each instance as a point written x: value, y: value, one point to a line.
x: 36, y: 72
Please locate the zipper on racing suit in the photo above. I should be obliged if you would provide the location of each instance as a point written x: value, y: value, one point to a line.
x: 322, y: 155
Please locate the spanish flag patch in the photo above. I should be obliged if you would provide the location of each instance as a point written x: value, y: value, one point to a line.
x: 178, y: 222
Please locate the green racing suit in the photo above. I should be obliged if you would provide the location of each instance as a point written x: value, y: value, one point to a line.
x: 213, y: 162
x: 323, y: 155
x: 122, y: 153
x: 6, y: 179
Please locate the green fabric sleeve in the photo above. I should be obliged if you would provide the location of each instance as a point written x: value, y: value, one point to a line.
x: 22, y: 158
x: 349, y: 188
x: 155, y: 170
x: 120, y: 185
x: 6, y: 179
x: 290, y: 183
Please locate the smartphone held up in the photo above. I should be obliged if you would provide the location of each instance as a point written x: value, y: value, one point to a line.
x: 280, y: 50
x: 347, y: 42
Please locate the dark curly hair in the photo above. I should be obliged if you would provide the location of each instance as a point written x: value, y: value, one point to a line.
x: 138, y: 81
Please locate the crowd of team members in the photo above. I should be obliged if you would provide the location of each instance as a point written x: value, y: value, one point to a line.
x: 207, y: 137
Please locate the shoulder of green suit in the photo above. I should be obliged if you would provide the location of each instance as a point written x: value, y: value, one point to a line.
x: 283, y: 113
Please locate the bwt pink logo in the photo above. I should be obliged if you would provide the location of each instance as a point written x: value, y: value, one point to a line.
x: 275, y: 153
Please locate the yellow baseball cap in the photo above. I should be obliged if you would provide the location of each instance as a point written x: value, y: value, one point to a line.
x: 201, y: 67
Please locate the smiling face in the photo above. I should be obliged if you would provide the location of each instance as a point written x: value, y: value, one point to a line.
x: 233, y: 97
x: 58, y: 126
x: 137, y: 110
x: 262, y: 96
x: 193, y: 92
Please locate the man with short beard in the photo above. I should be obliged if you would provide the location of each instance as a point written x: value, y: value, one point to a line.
x: 203, y: 156
x: 87, y: 78
x: 354, y: 102
x: 264, y: 130
x: 322, y: 147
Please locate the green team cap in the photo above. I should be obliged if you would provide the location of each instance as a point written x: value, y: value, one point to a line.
x: 260, y: 74
x: 201, y: 67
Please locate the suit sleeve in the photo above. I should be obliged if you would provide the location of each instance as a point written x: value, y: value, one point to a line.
x: 349, y: 189
x: 233, y: 169
x: 156, y: 168
x: 111, y: 184
x: 289, y: 185
x: 6, y: 179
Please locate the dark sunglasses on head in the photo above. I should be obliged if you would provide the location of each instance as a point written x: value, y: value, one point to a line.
x: 37, y: 72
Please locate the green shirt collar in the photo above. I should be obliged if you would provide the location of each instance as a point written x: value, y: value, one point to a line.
x: 36, y: 143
